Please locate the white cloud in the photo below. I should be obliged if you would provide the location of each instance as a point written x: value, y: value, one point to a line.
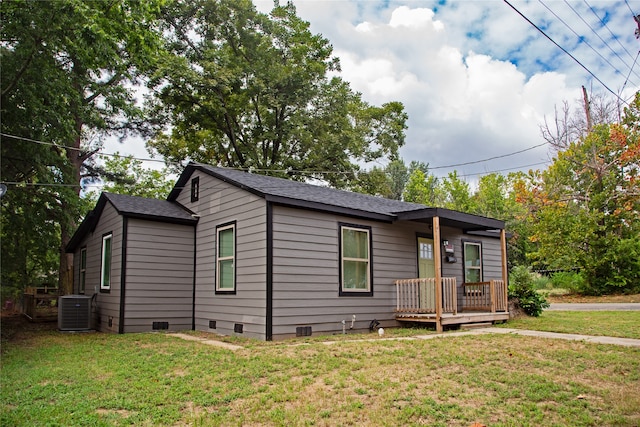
x: 475, y: 78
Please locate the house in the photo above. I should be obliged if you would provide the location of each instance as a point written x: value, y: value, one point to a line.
x: 239, y: 253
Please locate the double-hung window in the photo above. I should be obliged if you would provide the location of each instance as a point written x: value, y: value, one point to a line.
x: 83, y: 270
x: 355, y: 260
x: 105, y: 271
x: 472, y: 262
x: 226, y: 257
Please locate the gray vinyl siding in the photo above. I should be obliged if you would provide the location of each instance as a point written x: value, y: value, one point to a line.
x: 108, y: 303
x: 306, y: 272
x: 159, y: 275
x: 220, y: 203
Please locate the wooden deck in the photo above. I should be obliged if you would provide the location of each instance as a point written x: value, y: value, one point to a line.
x: 453, y: 319
x: 420, y: 300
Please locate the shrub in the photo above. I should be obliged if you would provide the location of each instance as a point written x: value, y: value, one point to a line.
x: 522, y: 288
x: 541, y: 282
x: 569, y: 280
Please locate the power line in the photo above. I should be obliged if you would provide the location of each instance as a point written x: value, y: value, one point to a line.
x: 276, y: 170
x: 83, y: 150
x: 580, y: 38
x: 564, y: 50
x: 490, y: 158
x: 503, y: 170
x: 603, y: 41
x: 616, y: 38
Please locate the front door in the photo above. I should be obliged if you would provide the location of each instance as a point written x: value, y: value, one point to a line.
x: 426, y: 269
x: 426, y: 263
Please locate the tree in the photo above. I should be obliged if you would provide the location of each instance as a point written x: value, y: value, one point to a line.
x: 457, y: 193
x: 67, y: 70
x: 247, y: 90
x: 135, y: 180
x: 585, y: 208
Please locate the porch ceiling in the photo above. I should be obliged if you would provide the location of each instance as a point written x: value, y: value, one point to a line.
x: 449, y: 218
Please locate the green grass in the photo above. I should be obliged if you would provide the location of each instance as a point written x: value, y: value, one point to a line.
x: 49, y: 378
x: 622, y: 324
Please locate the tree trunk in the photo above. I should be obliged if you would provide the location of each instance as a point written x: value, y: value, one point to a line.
x: 68, y: 223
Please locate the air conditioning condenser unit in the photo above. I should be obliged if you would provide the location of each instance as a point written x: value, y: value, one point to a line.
x: 74, y: 313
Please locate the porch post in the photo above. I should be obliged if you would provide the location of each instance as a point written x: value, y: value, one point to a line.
x: 505, y: 275
x: 438, y: 264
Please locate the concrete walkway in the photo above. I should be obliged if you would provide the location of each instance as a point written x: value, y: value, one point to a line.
x: 214, y: 343
x: 601, y: 306
x: 627, y: 342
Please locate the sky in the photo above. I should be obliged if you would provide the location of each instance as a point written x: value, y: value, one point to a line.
x: 476, y: 79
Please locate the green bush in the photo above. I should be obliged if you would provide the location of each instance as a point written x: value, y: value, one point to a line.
x: 522, y: 288
x: 569, y: 280
x: 541, y: 282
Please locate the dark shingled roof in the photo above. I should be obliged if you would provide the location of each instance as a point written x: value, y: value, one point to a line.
x: 132, y: 207
x: 307, y: 196
x: 294, y: 190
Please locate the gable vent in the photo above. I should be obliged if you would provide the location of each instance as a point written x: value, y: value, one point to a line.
x: 74, y: 313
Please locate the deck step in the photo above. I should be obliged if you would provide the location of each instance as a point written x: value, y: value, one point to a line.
x: 476, y: 325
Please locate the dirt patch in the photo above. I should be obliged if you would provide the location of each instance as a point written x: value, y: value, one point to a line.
x: 15, y: 327
x: 122, y: 412
x: 573, y: 298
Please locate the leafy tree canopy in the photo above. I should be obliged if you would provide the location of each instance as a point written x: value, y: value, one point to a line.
x: 585, y: 208
x: 67, y: 70
x: 253, y: 91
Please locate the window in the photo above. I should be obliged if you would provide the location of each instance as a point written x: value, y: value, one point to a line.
x: 472, y: 262
x: 426, y: 250
x: 355, y: 262
x: 83, y: 270
x: 195, y: 189
x: 105, y: 273
x: 225, y: 271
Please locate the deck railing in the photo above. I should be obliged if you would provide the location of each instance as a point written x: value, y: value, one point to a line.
x: 484, y: 296
x: 419, y: 295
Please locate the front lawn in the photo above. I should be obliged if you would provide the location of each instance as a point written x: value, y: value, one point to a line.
x: 622, y: 324
x: 50, y: 378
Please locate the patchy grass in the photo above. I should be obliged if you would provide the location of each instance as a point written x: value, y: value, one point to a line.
x: 622, y: 324
x: 50, y: 378
x: 565, y: 296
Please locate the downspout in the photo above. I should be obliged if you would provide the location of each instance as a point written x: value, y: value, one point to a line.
x: 193, y: 294
x: 123, y: 273
x: 269, y: 284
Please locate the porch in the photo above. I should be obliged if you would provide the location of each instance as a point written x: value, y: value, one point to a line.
x: 420, y: 300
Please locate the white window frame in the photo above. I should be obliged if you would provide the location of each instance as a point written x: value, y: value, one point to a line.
x: 103, y: 267
x: 219, y: 259
x: 82, y: 271
x: 472, y: 267
x: 355, y: 291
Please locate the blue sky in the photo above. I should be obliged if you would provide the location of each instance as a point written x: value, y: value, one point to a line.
x: 476, y: 79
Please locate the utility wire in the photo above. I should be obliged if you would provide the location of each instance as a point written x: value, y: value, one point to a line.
x: 604, y: 24
x: 564, y: 50
x: 602, y: 40
x: 82, y: 150
x: 503, y: 170
x: 487, y: 159
x: 278, y: 170
x: 581, y: 39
